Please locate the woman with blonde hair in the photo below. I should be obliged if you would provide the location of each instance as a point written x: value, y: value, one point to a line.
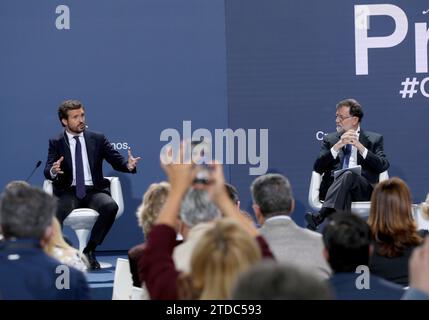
x: 230, y: 247
x: 224, y: 251
x: 59, y: 249
x: 393, y: 229
x: 153, y: 200
x: 147, y: 213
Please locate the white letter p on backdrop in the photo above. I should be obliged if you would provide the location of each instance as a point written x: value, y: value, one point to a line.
x: 363, y: 42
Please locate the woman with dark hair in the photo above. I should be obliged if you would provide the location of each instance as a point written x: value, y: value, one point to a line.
x: 393, y: 229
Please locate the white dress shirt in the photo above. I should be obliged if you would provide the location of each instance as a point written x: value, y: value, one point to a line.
x: 86, y: 168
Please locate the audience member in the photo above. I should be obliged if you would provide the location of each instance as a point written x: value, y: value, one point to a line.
x: 224, y: 251
x: 16, y: 184
x: 271, y: 281
x: 232, y: 193
x: 393, y: 229
x: 147, y: 213
x: 59, y: 249
x: 347, y: 240
x: 273, y: 204
x: 419, y: 275
x: 26, y: 272
x: 197, y: 214
x: 422, y: 219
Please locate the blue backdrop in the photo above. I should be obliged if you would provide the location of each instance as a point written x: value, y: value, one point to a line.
x: 290, y: 62
x: 140, y: 67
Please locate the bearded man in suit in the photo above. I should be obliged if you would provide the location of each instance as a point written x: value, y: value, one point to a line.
x: 75, y: 165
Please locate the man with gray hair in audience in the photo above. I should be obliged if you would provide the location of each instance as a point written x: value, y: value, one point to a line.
x: 26, y: 272
x: 197, y: 214
x: 273, y: 204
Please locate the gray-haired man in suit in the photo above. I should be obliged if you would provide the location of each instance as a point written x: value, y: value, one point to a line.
x: 273, y: 204
x: 348, y: 147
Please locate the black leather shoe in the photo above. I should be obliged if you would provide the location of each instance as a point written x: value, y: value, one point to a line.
x: 313, y: 220
x: 92, y: 261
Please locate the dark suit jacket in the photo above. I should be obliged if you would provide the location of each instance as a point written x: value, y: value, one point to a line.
x: 344, y: 287
x: 374, y: 163
x: 32, y: 275
x: 393, y: 269
x: 134, y: 254
x: 98, y: 149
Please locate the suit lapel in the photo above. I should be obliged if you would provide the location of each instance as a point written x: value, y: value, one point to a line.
x: 90, y: 148
x: 340, y: 152
x: 363, y: 138
x: 67, y: 152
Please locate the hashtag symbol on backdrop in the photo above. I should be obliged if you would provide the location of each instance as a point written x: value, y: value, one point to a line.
x: 408, y: 88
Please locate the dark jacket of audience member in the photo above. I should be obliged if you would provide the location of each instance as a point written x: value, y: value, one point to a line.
x: 26, y: 272
x: 268, y: 280
x: 393, y: 229
x: 347, y: 240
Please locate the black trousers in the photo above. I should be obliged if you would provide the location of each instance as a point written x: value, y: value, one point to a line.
x: 345, y: 189
x: 95, y: 199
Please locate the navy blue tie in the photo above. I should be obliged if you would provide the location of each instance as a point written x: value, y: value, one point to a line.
x: 347, y: 154
x: 80, y: 178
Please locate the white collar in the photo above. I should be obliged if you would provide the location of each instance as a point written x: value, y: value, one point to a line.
x: 279, y: 217
x: 71, y: 136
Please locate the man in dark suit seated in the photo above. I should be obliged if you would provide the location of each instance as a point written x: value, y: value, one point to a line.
x: 349, y: 146
x: 75, y: 165
x: 26, y: 272
x: 347, y: 241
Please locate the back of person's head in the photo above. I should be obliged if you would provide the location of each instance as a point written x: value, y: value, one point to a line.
x: 391, y: 220
x: 26, y: 212
x: 347, y: 240
x: 424, y: 207
x: 269, y: 280
x: 272, y: 193
x: 355, y: 107
x: 153, y: 200
x: 198, y: 208
x: 13, y: 185
x: 222, y: 253
x: 16, y: 184
x: 232, y: 192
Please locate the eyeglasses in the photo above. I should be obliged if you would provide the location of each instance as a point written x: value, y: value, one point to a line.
x: 342, y: 118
